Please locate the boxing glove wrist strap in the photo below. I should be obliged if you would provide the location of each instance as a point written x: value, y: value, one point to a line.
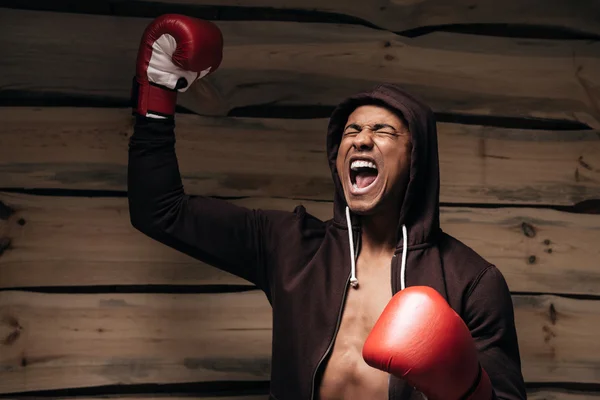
x: 481, y: 388
x: 149, y: 98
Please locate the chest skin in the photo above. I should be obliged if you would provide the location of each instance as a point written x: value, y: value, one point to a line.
x: 346, y: 375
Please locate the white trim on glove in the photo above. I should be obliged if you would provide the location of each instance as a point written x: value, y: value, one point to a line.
x: 161, y: 69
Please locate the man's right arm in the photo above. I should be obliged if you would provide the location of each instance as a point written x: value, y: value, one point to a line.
x: 215, y: 231
x: 175, y: 51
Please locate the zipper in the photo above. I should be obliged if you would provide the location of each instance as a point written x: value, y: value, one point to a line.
x: 394, y: 276
x: 337, y: 325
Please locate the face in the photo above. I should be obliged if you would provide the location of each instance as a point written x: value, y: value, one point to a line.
x: 373, y: 159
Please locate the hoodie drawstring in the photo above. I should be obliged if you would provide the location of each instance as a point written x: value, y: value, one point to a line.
x: 353, y: 280
x: 404, y: 251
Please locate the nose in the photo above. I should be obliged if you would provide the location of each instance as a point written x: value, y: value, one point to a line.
x: 363, y: 140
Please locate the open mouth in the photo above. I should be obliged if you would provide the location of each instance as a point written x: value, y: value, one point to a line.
x: 362, y: 174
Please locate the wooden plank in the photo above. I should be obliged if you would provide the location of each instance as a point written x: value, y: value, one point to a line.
x: 169, y: 396
x: 52, y: 341
x: 78, y: 148
x: 175, y: 397
x: 48, y: 343
x: 558, y: 394
x: 552, y: 341
x: 404, y: 15
x: 158, y: 396
x: 165, y: 396
x: 72, y: 241
x: 285, y: 63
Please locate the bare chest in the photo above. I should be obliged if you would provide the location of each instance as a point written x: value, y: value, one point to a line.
x: 346, y: 374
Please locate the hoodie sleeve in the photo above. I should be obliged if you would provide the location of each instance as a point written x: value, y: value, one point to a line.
x: 489, y: 314
x: 232, y: 238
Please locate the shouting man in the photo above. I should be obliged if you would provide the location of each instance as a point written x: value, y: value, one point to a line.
x: 375, y: 303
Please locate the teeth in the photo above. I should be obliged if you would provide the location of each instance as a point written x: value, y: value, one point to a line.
x: 362, y: 164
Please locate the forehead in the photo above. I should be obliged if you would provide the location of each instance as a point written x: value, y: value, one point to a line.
x: 368, y: 114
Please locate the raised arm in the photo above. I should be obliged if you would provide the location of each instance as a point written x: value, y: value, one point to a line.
x: 175, y: 51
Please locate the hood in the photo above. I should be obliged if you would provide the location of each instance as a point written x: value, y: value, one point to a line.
x: 419, y: 211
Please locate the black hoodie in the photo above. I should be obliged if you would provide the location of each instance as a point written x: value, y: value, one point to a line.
x: 303, y: 264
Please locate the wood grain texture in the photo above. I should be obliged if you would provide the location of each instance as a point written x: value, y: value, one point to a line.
x: 79, y: 148
x: 162, y: 396
x: 286, y: 63
x: 404, y: 15
x: 169, y: 396
x: 52, y: 341
x: 57, y: 341
x: 557, y: 394
x: 177, y: 397
x: 73, y: 241
x: 156, y: 396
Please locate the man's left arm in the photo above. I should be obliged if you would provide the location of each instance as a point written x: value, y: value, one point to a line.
x: 489, y: 315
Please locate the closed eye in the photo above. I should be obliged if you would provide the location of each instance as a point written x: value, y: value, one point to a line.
x: 384, y: 128
x: 352, y: 128
x: 387, y: 134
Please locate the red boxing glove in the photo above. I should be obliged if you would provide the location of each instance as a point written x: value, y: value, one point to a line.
x: 421, y: 339
x: 175, y: 51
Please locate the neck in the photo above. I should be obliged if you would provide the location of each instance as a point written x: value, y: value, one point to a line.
x: 379, y: 233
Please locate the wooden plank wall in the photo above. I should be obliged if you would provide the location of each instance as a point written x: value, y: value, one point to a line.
x: 91, y: 308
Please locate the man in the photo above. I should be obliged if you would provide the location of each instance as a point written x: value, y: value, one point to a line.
x: 376, y: 302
